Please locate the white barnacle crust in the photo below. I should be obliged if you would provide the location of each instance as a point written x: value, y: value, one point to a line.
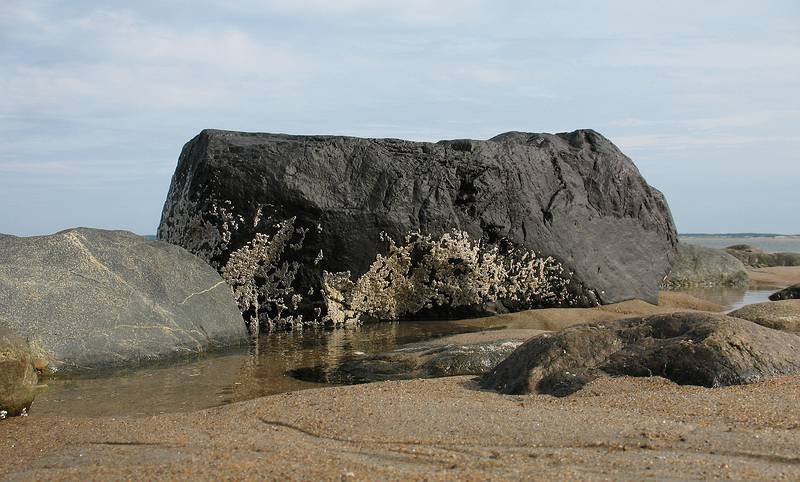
x: 261, y: 283
x: 452, y: 270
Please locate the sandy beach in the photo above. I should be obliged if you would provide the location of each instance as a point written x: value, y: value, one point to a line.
x: 436, y: 429
x: 431, y: 430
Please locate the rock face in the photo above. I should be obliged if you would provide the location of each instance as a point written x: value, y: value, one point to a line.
x: 779, y: 315
x: 688, y: 348
x: 17, y: 375
x: 698, y: 266
x: 573, y: 196
x: 89, y: 298
x: 790, y: 293
x: 758, y: 258
x: 464, y: 354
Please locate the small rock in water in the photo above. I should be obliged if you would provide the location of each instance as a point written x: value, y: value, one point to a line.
x: 790, y: 293
x: 467, y: 354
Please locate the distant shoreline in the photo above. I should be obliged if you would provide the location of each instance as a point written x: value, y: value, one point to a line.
x: 738, y: 235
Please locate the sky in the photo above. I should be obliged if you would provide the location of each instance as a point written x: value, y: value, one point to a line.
x: 98, y: 97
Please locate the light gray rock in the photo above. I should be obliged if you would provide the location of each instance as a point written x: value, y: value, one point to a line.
x: 573, y: 196
x: 17, y: 375
x: 90, y: 298
x: 693, y: 348
x: 698, y: 266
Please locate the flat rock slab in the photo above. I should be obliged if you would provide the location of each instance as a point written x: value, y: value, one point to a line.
x: 779, y: 315
x: 699, y: 266
x: 463, y: 354
x: 17, y: 375
x: 90, y: 298
x: 688, y: 348
x: 790, y: 293
x: 573, y: 196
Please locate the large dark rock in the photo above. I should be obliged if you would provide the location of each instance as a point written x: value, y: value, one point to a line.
x: 758, y: 258
x: 698, y: 266
x: 89, y: 298
x: 573, y: 196
x: 17, y: 375
x: 779, y: 315
x: 693, y: 348
x: 790, y: 293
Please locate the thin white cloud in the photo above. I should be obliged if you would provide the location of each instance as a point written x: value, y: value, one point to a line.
x: 415, y: 12
x: 672, y: 142
x: 134, y: 63
x: 730, y: 121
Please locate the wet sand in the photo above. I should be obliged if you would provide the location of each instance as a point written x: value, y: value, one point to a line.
x: 554, y: 319
x: 433, y: 429
x: 777, y: 277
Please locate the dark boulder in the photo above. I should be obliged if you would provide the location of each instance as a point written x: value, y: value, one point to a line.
x: 698, y: 266
x: 790, y: 293
x: 758, y: 258
x: 90, y: 298
x: 694, y: 348
x: 779, y: 315
x: 573, y: 196
x: 17, y: 375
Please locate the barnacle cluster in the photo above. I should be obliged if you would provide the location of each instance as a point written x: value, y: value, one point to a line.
x: 261, y: 282
x: 259, y: 276
x: 452, y: 270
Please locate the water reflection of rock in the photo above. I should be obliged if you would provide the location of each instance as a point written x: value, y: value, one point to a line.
x: 220, y: 379
x: 211, y: 381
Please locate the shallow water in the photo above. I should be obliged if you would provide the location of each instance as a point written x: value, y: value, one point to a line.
x: 733, y: 298
x: 236, y: 375
x: 260, y: 370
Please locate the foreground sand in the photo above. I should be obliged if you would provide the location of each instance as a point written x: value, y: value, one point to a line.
x: 433, y: 429
x: 444, y: 428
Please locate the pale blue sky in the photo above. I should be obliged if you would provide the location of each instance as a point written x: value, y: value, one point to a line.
x: 97, y: 97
